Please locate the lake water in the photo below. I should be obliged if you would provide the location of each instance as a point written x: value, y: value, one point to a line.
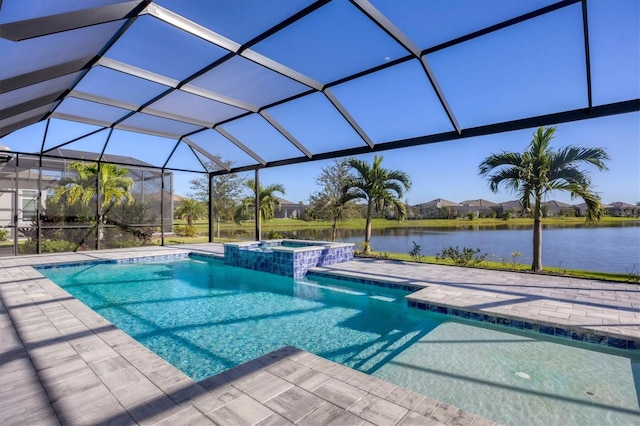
x: 610, y: 249
x: 604, y: 249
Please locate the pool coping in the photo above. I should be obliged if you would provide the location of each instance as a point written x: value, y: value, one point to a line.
x: 69, y: 365
x: 309, y: 245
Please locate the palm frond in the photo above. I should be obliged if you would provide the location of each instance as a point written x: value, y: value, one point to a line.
x: 572, y: 155
x: 500, y: 160
x: 509, y: 177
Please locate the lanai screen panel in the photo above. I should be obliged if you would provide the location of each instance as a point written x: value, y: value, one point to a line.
x: 223, y: 86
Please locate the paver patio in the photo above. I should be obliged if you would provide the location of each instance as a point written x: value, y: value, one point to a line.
x: 62, y: 363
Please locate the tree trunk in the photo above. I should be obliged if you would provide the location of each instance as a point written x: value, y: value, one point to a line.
x: 333, y: 228
x: 367, y: 229
x: 218, y: 225
x: 536, y: 265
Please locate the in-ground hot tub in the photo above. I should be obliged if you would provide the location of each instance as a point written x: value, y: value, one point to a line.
x: 292, y: 258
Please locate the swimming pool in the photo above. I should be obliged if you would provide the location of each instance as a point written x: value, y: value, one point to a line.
x: 203, y: 318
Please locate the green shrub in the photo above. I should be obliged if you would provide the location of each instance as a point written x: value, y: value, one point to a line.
x: 513, y: 262
x: 241, y: 235
x: 47, y: 246
x: 124, y: 241
x: 274, y: 235
x: 185, y: 230
x: 471, y: 215
x: 358, y: 248
x: 465, y: 257
x: 4, y: 234
x: 415, y: 252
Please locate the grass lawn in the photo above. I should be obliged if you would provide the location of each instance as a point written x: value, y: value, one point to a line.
x: 295, y: 224
x: 519, y: 267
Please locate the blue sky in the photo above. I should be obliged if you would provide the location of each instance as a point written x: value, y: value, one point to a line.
x: 533, y: 68
x: 450, y: 169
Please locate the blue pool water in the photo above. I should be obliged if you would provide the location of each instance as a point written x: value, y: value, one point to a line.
x: 204, y: 318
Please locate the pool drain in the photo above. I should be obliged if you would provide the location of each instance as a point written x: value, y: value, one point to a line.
x: 590, y: 393
x: 523, y: 375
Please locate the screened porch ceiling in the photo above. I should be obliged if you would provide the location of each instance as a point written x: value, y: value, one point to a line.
x: 225, y: 85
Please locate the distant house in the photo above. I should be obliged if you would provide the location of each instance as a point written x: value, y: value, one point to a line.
x: 479, y: 207
x: 27, y: 194
x: 558, y: 208
x: 147, y: 182
x: 438, y: 208
x: 514, y: 207
x: 441, y: 208
x: 177, y: 200
x: 290, y: 210
x: 549, y: 208
x: 621, y: 209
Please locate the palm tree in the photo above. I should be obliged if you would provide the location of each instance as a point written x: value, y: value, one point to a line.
x: 191, y: 210
x: 266, y: 197
x: 113, y: 185
x: 379, y: 187
x: 541, y: 170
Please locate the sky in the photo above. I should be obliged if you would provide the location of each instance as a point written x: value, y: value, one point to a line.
x: 449, y: 170
x: 533, y: 68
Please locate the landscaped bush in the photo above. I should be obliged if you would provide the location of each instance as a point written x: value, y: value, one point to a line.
x: 115, y: 238
x: 241, y: 235
x: 415, y: 252
x: 4, y: 234
x: 465, y: 257
x: 513, y: 262
x: 185, y: 230
x: 47, y: 246
x: 274, y: 235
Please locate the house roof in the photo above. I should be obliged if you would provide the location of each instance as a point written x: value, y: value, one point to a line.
x: 59, y: 158
x: 511, y: 204
x: 287, y: 202
x: 439, y: 202
x: 556, y: 204
x: 621, y: 205
x: 480, y: 202
x: 269, y: 83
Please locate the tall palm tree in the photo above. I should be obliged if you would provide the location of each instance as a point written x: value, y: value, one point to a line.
x: 541, y: 170
x: 113, y: 185
x: 379, y: 187
x: 269, y: 202
x: 191, y: 210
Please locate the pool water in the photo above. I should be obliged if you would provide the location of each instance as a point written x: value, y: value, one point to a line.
x: 204, y: 317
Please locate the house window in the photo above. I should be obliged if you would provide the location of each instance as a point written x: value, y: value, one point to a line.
x: 28, y: 202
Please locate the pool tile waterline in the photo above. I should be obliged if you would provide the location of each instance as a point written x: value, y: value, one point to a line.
x: 550, y: 330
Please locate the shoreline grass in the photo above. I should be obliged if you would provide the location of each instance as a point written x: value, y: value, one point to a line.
x: 633, y: 278
x: 462, y: 223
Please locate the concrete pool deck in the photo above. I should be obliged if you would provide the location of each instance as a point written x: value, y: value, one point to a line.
x: 61, y: 363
